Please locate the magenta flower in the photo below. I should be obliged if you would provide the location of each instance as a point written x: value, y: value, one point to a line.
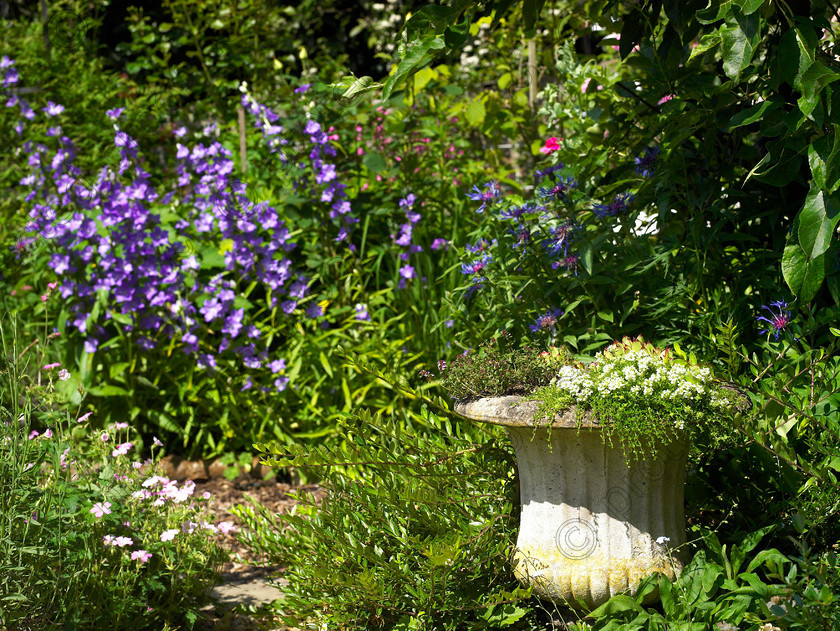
x: 551, y: 145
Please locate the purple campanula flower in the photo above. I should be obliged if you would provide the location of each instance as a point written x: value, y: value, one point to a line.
x: 52, y: 109
x: 303, y: 88
x: 11, y: 77
x: 288, y: 306
x: 489, y: 195
x: 6, y: 62
x: 407, y: 271
x: 280, y: 383
x: 314, y: 310
x: 778, y: 319
x: 277, y: 365
x: 440, y: 244
x: 362, y: 312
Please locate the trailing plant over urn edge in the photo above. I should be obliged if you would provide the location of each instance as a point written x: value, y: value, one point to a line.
x: 643, y: 396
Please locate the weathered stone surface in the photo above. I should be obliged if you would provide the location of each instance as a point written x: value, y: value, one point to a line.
x: 591, y: 525
x: 513, y: 412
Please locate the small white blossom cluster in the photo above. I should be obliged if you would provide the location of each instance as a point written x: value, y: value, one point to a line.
x: 640, y: 373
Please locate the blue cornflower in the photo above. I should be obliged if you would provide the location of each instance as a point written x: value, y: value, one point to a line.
x: 547, y: 321
x: 778, y: 321
x: 476, y: 267
x: 480, y: 246
x: 517, y: 212
x: 644, y: 163
x: 618, y: 206
x: 521, y: 235
x: 544, y: 173
x: 489, y: 195
x: 559, y: 189
x: 559, y: 239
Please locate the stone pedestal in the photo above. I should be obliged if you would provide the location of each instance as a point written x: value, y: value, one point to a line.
x: 591, y: 526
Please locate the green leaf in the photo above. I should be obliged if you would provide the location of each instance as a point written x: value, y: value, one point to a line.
x: 752, y: 114
x: 417, y: 54
x: 715, y: 11
x: 118, y: 368
x: 374, y: 162
x: 475, y: 112
x: 108, y: 391
x: 749, y: 6
x: 739, y: 43
x: 707, y: 42
x: 823, y: 159
x: 531, y: 13
x: 802, y: 276
x: 813, y: 81
x: 816, y: 222
x: 796, y: 54
x: 615, y: 605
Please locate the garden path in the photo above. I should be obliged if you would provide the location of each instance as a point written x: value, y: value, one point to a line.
x: 246, y: 578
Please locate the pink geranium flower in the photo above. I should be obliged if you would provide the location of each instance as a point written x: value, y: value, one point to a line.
x: 142, y: 555
x: 551, y: 145
x: 99, y: 509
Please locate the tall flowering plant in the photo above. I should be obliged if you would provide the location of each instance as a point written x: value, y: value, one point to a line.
x: 538, y: 246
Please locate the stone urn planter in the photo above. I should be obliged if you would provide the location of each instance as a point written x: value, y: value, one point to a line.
x: 591, y: 526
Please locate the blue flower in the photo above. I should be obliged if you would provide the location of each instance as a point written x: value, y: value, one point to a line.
x: 544, y: 173
x: 644, y: 163
x: 517, y: 212
x: 778, y: 321
x: 618, y: 206
x: 547, y: 321
x: 558, y: 190
x: 489, y: 195
x: 559, y: 239
x: 476, y: 267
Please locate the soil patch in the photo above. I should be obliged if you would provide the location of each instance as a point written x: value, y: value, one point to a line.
x: 245, y: 576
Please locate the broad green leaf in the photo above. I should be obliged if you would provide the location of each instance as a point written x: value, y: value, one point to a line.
x: 531, y: 14
x: 749, y: 6
x: 796, y: 53
x: 615, y: 605
x: 374, y: 162
x: 475, y: 112
x: 823, y: 159
x: 107, y: 391
x: 817, y: 220
x: 802, y: 276
x: 707, y: 42
x: 813, y: 81
x: 752, y: 114
x: 422, y: 78
x: 417, y: 55
x: 739, y: 42
x: 715, y: 11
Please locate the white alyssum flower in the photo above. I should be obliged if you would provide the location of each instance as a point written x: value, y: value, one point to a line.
x: 639, y: 373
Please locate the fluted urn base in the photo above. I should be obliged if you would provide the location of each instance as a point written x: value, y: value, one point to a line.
x: 591, y: 526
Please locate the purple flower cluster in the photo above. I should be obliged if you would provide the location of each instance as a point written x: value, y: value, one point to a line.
x: 107, y: 240
x: 324, y: 183
x: 403, y: 238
